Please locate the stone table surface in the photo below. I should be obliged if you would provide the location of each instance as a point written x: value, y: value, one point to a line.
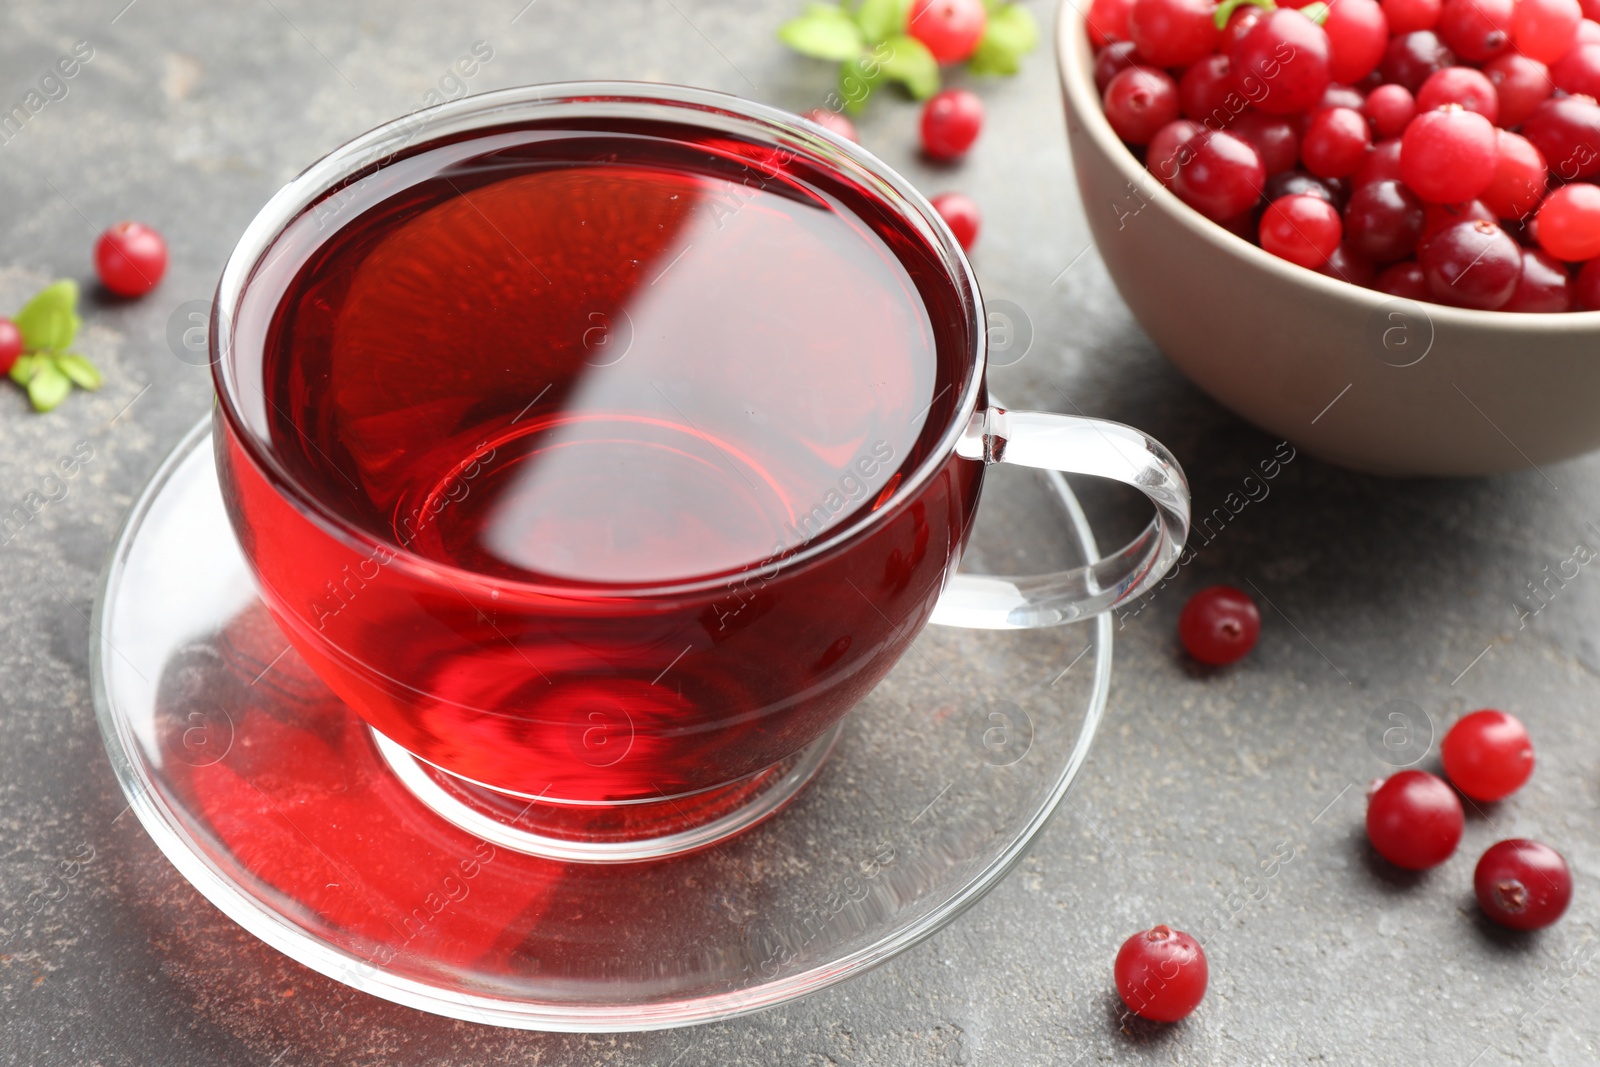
x: 189, y: 115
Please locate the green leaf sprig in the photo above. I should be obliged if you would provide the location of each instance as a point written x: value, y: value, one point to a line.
x: 868, y: 39
x: 49, y: 324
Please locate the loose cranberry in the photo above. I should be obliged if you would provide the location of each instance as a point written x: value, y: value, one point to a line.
x: 834, y: 122
x: 1459, y: 85
x: 1588, y: 32
x: 1223, y: 177
x: 951, y: 121
x: 10, y: 344
x: 1578, y: 72
x: 1442, y: 216
x: 1168, y: 149
x: 950, y: 28
x: 1174, y: 33
x: 1472, y: 265
x: 1384, y: 221
x: 1410, y: 58
x: 1302, y: 229
x: 1282, y: 62
x: 1586, y: 287
x: 1239, y: 24
x: 1335, y: 143
x: 1522, y: 884
x: 1161, y: 974
x: 1520, y: 85
x: 1139, y: 101
x: 1405, y: 280
x: 1566, y: 129
x: 1339, y: 96
x: 1389, y: 108
x: 1297, y: 183
x: 1409, y: 16
x: 1204, y: 90
x: 960, y: 213
x: 1114, y: 57
x: 1477, y: 30
x: 1414, y: 820
x: 1357, y: 33
x: 1545, y: 29
x: 1543, y: 288
x: 1219, y: 625
x: 1108, y: 21
x: 1382, y: 164
x: 1569, y: 222
x: 130, y: 258
x: 1348, y: 265
x: 1448, y: 155
x: 1520, y: 177
x: 1487, y: 754
x: 1272, y: 136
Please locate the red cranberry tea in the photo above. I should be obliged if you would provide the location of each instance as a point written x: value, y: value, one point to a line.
x: 573, y: 368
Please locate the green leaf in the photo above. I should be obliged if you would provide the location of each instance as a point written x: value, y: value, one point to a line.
x: 1011, y: 34
x: 50, y: 320
x: 22, y: 369
x: 824, y: 32
x: 881, y: 19
x: 858, y: 77
x: 48, y: 386
x: 909, y: 62
x: 83, y: 373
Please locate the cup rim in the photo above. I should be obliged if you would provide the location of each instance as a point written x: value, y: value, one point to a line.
x: 379, y: 146
x: 1074, y: 61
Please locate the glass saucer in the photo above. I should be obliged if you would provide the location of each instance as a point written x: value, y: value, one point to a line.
x: 274, y: 800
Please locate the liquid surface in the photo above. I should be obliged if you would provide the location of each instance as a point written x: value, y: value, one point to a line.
x: 609, y: 360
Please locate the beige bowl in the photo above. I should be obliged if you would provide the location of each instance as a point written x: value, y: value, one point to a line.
x: 1345, y: 373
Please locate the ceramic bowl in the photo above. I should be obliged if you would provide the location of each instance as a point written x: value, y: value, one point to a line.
x: 1351, y: 375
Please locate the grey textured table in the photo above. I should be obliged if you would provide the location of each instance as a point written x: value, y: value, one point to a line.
x: 189, y: 116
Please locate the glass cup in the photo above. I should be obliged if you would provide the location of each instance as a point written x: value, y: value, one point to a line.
x: 609, y: 723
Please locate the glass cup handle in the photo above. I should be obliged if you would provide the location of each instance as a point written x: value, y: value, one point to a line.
x: 1071, y: 445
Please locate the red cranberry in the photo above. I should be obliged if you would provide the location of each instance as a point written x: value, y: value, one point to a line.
x: 1336, y: 143
x: 1108, y: 22
x: 1472, y: 265
x: 1566, y: 129
x: 1382, y: 164
x: 1389, y: 108
x: 1520, y: 85
x: 1405, y: 280
x: 1174, y: 33
x: 1520, y: 177
x: 1487, y: 754
x: 1569, y: 222
x: 1544, y: 287
x: 1578, y: 72
x: 1161, y: 974
x: 1298, y: 182
x: 1139, y: 101
x: 1223, y: 177
x: 1384, y: 221
x: 1414, y: 820
x: 130, y: 258
x: 1448, y: 155
x: 1204, y: 90
x: 1441, y: 216
x: 950, y: 28
x: 1168, y: 149
x: 1302, y: 229
x: 1282, y: 62
x: 1459, y: 85
x: 1116, y: 56
x: 1220, y: 625
x: 1409, y: 16
x: 1545, y: 29
x: 1410, y: 58
x: 1272, y: 136
x: 10, y: 344
x: 1522, y: 884
x: 1586, y: 287
x: 1477, y: 30
x: 951, y: 121
x: 1358, y: 32
x: 960, y: 213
